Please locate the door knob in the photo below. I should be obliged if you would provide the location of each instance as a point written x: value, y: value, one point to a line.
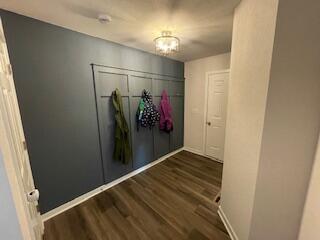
x: 33, y: 196
x: 209, y: 123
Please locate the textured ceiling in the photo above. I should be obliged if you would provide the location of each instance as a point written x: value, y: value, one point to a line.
x: 203, y: 26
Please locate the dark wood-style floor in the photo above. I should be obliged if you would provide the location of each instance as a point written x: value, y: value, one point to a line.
x: 172, y: 200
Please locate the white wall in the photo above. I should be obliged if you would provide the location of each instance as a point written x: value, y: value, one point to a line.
x: 310, y: 224
x: 251, y: 54
x: 9, y: 225
x: 273, y: 117
x: 292, y: 123
x: 195, y: 72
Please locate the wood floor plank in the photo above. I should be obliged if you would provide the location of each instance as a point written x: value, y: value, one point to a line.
x: 172, y: 200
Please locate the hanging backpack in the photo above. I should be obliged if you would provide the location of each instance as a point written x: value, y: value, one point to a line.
x: 147, y: 114
x: 166, y: 123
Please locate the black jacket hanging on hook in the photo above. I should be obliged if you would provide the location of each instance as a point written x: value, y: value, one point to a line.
x: 147, y: 113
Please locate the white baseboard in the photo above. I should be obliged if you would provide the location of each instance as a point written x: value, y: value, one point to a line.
x: 86, y: 196
x: 196, y: 151
x: 227, y: 224
x: 201, y: 153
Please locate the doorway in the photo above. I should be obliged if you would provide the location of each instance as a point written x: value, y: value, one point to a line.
x: 15, y: 153
x: 217, y: 83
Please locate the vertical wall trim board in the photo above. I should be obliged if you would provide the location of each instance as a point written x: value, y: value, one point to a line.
x: 131, y: 128
x: 97, y: 112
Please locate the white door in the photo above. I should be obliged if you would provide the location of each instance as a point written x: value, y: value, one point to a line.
x: 217, y: 96
x: 14, y: 150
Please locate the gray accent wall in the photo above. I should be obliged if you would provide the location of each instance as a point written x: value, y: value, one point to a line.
x: 54, y: 81
x: 148, y: 144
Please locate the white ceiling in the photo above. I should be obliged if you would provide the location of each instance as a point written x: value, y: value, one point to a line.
x: 203, y: 26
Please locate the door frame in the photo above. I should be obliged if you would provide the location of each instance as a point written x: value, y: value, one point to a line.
x: 205, y: 109
x: 7, y: 139
x: 13, y: 180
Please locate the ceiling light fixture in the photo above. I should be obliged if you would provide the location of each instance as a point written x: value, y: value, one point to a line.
x: 166, y: 43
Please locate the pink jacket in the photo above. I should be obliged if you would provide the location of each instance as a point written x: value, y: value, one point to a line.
x: 165, y: 109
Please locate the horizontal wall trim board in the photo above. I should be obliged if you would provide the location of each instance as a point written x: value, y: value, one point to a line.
x: 198, y: 152
x: 157, y: 74
x: 86, y: 196
x: 227, y: 224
